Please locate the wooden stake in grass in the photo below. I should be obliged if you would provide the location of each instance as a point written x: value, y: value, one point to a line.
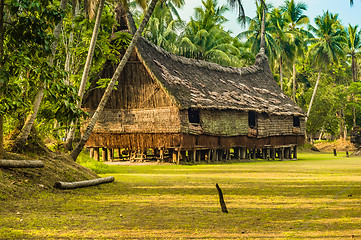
x: 221, y: 200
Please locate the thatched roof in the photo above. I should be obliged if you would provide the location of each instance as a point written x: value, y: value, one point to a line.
x: 198, y: 84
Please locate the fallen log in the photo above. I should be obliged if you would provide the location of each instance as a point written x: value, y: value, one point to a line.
x: 4, y: 163
x: 80, y: 184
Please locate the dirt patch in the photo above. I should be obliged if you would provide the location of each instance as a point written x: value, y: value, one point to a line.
x: 339, y: 145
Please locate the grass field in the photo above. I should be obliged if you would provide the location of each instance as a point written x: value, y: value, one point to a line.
x: 318, y: 196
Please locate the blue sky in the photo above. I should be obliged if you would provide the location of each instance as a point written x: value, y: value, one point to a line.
x: 347, y: 14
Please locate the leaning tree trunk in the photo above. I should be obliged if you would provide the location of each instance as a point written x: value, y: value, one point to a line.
x: 1, y: 62
x: 313, y: 95
x: 263, y: 29
x: 294, y: 82
x: 25, y: 131
x: 281, y: 73
x: 84, y: 79
x: 75, y: 153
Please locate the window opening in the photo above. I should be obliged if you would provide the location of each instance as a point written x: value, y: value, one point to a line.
x: 296, y: 121
x: 193, y: 116
x: 252, y: 119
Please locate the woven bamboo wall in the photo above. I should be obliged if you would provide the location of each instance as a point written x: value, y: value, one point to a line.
x: 156, y: 120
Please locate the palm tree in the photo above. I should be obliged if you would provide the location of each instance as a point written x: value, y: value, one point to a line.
x: 293, y: 14
x: 75, y: 153
x: 162, y: 27
x: 354, y: 52
x: 255, y: 32
x: 204, y: 37
x: 284, y: 49
x: 328, y: 45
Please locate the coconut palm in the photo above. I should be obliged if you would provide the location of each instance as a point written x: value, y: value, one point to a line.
x: 204, y: 37
x: 285, y: 49
x: 354, y: 52
x: 327, y: 45
x: 293, y: 14
x: 162, y: 27
x: 255, y: 32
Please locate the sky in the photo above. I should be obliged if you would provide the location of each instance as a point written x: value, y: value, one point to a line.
x: 347, y: 14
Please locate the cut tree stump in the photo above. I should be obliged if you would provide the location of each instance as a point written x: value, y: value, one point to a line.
x: 221, y: 200
x: 21, y: 163
x: 80, y: 184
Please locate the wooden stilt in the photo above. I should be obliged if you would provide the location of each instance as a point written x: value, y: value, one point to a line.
x: 161, y: 155
x: 194, y: 156
x: 209, y: 155
x: 91, y: 152
x: 96, y: 154
x: 243, y: 153
x: 214, y: 155
x: 273, y: 153
x: 199, y: 155
x: 282, y: 153
x: 295, y: 152
x: 111, y: 155
x: 104, y: 154
x: 178, y: 156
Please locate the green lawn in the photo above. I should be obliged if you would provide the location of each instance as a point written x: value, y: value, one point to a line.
x: 317, y: 196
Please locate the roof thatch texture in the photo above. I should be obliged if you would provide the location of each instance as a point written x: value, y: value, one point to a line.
x: 203, y: 85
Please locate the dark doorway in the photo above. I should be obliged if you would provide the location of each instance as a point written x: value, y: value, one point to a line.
x: 252, y: 117
x: 193, y: 116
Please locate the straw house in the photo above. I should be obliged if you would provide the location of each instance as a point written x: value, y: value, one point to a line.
x: 190, y: 110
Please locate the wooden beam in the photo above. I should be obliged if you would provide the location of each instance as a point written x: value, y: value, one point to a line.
x: 91, y: 152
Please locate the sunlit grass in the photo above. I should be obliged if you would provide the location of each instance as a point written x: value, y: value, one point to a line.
x: 317, y: 196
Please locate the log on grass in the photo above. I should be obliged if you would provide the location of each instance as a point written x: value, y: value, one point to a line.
x: 4, y: 163
x: 80, y: 184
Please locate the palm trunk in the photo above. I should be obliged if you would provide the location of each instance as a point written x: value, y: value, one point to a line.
x: 263, y: 29
x: 75, y: 153
x: 294, y: 82
x: 1, y: 63
x: 354, y: 78
x: 25, y: 131
x: 281, y: 73
x: 313, y: 95
x: 84, y: 79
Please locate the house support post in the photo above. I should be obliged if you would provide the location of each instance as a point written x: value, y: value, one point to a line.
x: 111, y: 154
x: 104, y: 154
x: 295, y: 152
x: 194, y: 158
x: 282, y: 153
x: 214, y: 155
x: 273, y: 153
x: 161, y: 155
x: 91, y: 152
x: 264, y: 153
x: 199, y: 155
x: 96, y: 154
x: 209, y: 155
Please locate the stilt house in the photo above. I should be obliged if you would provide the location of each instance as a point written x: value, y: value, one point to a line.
x: 193, y: 110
